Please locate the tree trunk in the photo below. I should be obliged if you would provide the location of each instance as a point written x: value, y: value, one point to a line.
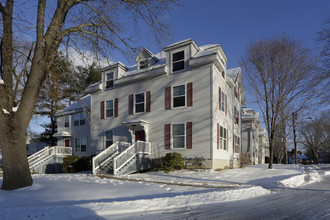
x: 16, y: 172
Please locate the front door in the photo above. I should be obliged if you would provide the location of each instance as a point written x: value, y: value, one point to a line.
x: 140, y: 135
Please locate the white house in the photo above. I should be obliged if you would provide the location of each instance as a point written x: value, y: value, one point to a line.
x: 182, y: 99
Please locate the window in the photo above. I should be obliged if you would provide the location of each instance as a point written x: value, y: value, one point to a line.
x: 139, y: 103
x: 67, y: 121
x: 178, y: 136
x: 237, y: 145
x: 223, y: 101
x: 80, y: 144
x: 143, y: 64
x: 236, y: 93
x: 108, y: 138
x: 179, y: 96
x: 109, y: 80
x: 109, y: 109
x: 178, y: 61
x: 223, y: 138
x: 223, y: 74
x: 236, y: 116
x: 79, y: 119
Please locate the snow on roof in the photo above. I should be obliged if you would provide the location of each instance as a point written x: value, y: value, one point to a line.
x: 179, y: 42
x: 84, y: 101
x: 233, y: 73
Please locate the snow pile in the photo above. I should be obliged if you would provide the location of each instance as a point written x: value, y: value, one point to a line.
x: 299, y: 180
x: 5, y: 111
x: 1, y: 81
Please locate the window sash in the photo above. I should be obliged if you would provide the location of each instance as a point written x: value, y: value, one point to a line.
x: 108, y: 138
x: 223, y: 138
x: 79, y: 119
x: 178, y: 61
x: 80, y: 144
x: 223, y: 98
x: 109, y: 80
x: 139, y: 103
x: 67, y: 121
x: 179, y: 135
x: 109, y: 109
x: 179, y: 96
x: 144, y: 64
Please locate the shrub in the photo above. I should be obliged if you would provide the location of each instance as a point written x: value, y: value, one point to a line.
x: 244, y: 160
x: 68, y: 163
x: 73, y: 164
x: 172, y: 161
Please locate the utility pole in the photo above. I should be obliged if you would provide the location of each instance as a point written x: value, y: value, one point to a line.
x: 294, y: 115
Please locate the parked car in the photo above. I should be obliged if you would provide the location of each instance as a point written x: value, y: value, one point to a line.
x: 307, y: 161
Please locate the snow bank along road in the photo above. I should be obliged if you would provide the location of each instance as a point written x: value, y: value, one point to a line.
x: 285, y: 192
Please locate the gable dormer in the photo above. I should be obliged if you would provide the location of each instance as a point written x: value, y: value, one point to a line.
x: 178, y: 55
x: 145, y: 59
x: 111, y: 73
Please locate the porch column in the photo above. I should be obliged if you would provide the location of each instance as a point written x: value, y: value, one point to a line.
x: 146, y: 132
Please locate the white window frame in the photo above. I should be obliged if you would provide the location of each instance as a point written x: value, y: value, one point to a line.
x: 236, y: 116
x: 144, y: 64
x: 178, y: 61
x: 223, y: 101
x: 67, y: 122
x: 75, y: 144
x: 185, y: 96
x: 140, y: 103
x: 106, y: 138
x: 79, y: 120
x: 106, y: 109
x: 109, y: 80
x: 237, y: 144
x: 223, y: 138
x: 184, y: 136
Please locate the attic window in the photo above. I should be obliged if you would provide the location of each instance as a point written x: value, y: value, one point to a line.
x: 178, y: 61
x: 109, y: 80
x: 143, y: 64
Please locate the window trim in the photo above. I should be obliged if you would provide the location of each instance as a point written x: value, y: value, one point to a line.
x: 105, y: 138
x: 113, y: 108
x: 223, y: 140
x: 223, y: 101
x: 106, y: 80
x: 75, y: 146
x: 145, y: 65
x: 184, y: 136
x: 177, y: 61
x: 80, y: 119
x: 67, y: 123
x: 144, y: 102
x: 185, y: 96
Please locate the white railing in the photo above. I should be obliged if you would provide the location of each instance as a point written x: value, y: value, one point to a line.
x: 46, y: 153
x: 124, y: 157
x: 106, y: 155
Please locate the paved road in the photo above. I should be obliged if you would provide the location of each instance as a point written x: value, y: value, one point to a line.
x: 309, y: 202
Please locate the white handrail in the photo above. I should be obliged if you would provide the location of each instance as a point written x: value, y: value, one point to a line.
x: 139, y: 147
x: 47, y: 152
x: 107, y: 154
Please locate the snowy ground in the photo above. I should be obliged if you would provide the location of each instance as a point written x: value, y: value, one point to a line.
x: 255, y: 192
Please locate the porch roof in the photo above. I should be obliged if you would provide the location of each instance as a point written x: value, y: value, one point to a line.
x: 62, y: 134
x: 135, y: 122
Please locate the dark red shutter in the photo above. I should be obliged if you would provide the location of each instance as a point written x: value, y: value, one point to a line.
x: 235, y: 114
x: 190, y: 94
x: 189, y: 135
x: 168, y: 98
x: 168, y: 136
x: 148, y: 104
x: 102, y: 109
x: 130, y: 105
x: 116, y: 107
x: 218, y: 136
x: 227, y: 139
x: 219, y: 98
x: 226, y: 104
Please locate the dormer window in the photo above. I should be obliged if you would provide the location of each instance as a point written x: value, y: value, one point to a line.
x: 109, y: 80
x: 223, y: 74
x: 178, y: 61
x: 143, y: 64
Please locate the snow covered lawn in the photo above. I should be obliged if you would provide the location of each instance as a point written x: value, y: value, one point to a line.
x: 83, y: 196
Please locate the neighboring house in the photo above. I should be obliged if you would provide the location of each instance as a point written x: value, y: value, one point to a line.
x: 73, y: 127
x: 254, y: 139
x: 181, y: 100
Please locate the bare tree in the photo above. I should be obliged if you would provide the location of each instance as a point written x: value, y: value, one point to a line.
x: 315, y: 133
x: 98, y: 26
x: 279, y: 73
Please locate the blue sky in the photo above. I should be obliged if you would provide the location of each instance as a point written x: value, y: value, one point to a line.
x: 234, y: 24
